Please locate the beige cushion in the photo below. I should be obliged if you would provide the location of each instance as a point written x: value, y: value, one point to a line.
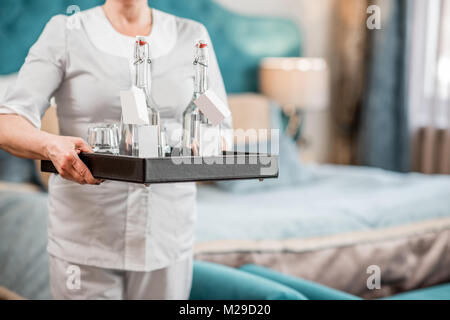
x: 18, y: 187
x: 5, y: 294
x: 50, y: 125
x: 50, y: 121
x: 250, y: 111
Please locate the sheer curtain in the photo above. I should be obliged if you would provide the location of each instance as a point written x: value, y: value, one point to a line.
x: 429, y: 87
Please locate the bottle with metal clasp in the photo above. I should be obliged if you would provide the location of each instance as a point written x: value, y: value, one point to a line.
x: 130, y: 134
x: 195, y: 124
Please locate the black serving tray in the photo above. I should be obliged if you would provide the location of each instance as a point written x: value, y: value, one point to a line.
x: 229, y: 166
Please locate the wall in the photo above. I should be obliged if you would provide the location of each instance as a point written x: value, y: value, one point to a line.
x: 314, y: 20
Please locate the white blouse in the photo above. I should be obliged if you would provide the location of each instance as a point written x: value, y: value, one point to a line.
x: 84, y: 63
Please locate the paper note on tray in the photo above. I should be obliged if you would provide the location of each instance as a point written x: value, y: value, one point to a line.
x: 212, y: 107
x: 210, y: 141
x: 148, y: 141
x: 134, y: 106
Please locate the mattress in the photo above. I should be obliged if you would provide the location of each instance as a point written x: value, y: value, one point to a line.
x: 333, y: 228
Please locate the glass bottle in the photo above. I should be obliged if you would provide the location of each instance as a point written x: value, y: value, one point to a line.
x: 130, y: 133
x: 194, y: 121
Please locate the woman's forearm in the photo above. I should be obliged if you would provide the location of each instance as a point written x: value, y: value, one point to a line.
x: 20, y: 138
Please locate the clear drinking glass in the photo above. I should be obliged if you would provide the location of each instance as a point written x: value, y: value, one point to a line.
x: 104, y: 138
x: 128, y: 142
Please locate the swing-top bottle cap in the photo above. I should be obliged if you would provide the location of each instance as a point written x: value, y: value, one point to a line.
x: 142, y: 41
x: 201, y: 44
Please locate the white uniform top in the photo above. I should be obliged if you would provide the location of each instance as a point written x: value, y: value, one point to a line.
x: 84, y: 63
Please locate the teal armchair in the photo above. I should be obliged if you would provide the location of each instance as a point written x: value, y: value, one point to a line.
x: 312, y: 290
x: 217, y: 282
x: 315, y: 291
x: 213, y: 281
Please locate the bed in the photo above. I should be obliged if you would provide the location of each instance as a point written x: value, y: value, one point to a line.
x: 333, y: 227
x: 326, y: 223
x: 329, y: 230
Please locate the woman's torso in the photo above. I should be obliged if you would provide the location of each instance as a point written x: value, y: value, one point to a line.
x: 120, y: 225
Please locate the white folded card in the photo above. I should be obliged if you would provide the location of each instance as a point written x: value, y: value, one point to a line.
x: 148, y: 141
x: 209, y: 141
x: 134, y: 106
x: 212, y: 107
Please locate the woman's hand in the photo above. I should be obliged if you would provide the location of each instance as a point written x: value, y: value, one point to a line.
x: 20, y: 138
x: 63, y: 152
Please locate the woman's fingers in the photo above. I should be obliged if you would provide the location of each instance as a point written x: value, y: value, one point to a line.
x: 83, y: 146
x: 83, y: 171
x: 67, y: 170
x: 63, y: 152
x: 80, y: 167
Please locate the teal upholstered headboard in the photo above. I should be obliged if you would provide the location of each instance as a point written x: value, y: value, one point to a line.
x: 240, y: 41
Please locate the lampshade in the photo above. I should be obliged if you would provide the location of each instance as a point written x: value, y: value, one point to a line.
x: 301, y: 83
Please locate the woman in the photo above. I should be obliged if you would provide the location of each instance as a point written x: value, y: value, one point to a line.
x: 127, y: 241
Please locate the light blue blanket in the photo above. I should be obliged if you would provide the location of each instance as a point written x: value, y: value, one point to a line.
x: 336, y: 199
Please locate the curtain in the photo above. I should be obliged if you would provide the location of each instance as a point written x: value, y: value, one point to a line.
x: 348, y: 71
x: 429, y: 87
x: 383, y: 138
x: 391, y: 87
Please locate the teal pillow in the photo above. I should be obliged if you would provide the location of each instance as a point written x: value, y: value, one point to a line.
x: 213, y: 281
x: 440, y: 292
x: 310, y: 290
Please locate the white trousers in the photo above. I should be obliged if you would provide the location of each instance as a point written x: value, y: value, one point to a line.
x: 70, y: 281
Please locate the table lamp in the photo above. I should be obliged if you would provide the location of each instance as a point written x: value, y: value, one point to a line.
x: 298, y: 85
